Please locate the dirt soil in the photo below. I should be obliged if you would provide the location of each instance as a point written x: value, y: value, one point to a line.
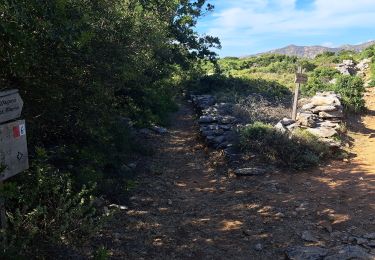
x: 187, y: 205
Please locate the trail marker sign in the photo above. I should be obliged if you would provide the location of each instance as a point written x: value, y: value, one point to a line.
x: 13, y: 149
x: 10, y: 105
x: 301, y: 78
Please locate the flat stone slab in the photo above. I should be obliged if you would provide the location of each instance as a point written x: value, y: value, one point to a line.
x: 329, y: 100
x: 324, y: 109
x: 333, y: 114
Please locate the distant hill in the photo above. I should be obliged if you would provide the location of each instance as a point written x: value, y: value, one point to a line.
x: 312, y: 51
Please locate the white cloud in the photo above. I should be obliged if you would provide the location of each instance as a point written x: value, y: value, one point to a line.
x: 252, y: 18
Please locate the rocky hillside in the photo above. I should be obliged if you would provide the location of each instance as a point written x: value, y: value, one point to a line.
x: 312, y: 51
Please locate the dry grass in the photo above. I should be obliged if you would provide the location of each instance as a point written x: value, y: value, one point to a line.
x: 255, y: 108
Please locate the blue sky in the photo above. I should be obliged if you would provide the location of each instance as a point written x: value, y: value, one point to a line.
x: 252, y: 26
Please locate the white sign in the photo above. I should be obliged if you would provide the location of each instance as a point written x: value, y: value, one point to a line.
x: 13, y: 149
x: 10, y: 105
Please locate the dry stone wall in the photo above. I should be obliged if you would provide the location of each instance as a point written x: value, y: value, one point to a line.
x: 321, y: 116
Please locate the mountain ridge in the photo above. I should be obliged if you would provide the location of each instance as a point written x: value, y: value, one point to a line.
x: 312, y: 51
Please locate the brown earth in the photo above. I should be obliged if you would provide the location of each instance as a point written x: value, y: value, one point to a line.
x: 187, y: 206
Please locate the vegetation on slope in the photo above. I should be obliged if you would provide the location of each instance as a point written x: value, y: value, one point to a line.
x: 82, y: 66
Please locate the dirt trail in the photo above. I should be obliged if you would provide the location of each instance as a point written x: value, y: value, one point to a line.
x: 364, y: 136
x: 188, y: 208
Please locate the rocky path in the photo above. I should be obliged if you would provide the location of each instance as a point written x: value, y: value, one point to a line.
x: 188, y: 206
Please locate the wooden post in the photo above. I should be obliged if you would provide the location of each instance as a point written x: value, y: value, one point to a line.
x: 3, y: 218
x: 296, y: 94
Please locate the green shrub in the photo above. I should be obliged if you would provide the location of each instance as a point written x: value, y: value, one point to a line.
x: 230, y: 87
x: 319, y: 81
x: 45, y: 211
x: 351, y: 89
x: 299, y: 151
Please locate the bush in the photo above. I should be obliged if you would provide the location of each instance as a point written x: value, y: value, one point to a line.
x: 319, y: 81
x: 351, y: 90
x: 45, y: 211
x: 298, y: 151
x: 230, y: 87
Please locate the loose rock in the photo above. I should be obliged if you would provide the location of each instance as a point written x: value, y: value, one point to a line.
x: 249, y: 171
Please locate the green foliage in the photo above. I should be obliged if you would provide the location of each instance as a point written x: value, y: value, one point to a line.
x: 319, y: 81
x: 351, y: 90
x: 230, y: 87
x: 101, y: 254
x: 299, y: 151
x: 45, y: 210
x: 368, y: 52
x: 82, y: 66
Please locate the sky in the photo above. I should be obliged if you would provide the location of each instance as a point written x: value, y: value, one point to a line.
x: 251, y: 26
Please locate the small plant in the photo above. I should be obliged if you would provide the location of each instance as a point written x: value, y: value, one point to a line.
x: 297, y: 151
x: 101, y: 254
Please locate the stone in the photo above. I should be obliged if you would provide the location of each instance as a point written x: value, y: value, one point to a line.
x: 306, y: 253
x: 323, y: 132
x: 307, y: 236
x: 323, y: 109
x: 330, y: 124
x: 208, y: 133
x: 120, y: 207
x: 307, y: 119
x: 349, y: 252
x: 222, y: 145
x: 258, y: 247
x: 333, y: 114
x: 219, y: 139
x: 228, y: 120
x: 308, y: 106
x: 292, y: 127
x: 347, y: 67
x: 280, y: 127
x: 363, y: 64
x: 369, y: 236
x: 225, y: 127
x: 287, y: 121
x: 145, y: 131
x: 159, y: 130
x: 326, y: 100
x: 249, y: 171
x: 206, y: 120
